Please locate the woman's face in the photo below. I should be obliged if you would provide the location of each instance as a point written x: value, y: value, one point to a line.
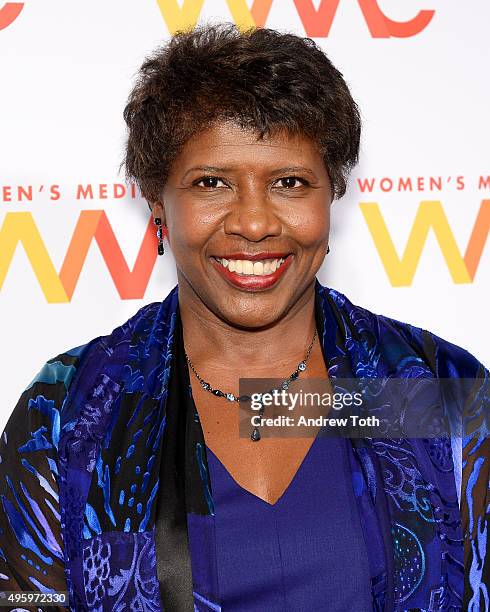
x: 248, y: 222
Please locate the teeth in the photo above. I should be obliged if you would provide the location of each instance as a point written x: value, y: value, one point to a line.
x: 258, y: 268
x: 247, y: 267
x: 255, y: 268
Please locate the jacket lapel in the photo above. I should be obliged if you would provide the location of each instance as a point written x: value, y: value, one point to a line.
x: 109, y: 463
x: 182, y: 491
x: 342, y: 353
x: 413, y: 493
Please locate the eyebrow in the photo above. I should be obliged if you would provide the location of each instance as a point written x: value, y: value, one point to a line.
x: 206, y: 169
x: 217, y: 170
x: 293, y: 169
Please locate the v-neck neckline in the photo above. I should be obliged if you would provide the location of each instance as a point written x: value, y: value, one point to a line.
x: 191, y: 416
x: 288, y: 488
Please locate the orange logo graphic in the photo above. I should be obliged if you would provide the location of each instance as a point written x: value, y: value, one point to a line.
x: 316, y: 21
x: 20, y: 227
x: 92, y: 224
x: 9, y: 13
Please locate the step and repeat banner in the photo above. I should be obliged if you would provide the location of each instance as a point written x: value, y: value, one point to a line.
x: 77, y: 251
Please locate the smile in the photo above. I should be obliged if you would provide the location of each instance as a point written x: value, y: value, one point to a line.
x: 255, y: 274
x: 248, y: 268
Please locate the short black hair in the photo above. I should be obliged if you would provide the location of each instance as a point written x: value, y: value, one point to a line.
x: 262, y: 79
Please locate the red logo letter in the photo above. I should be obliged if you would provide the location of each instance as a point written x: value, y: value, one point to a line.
x: 317, y: 22
x: 382, y: 26
x: 9, y: 13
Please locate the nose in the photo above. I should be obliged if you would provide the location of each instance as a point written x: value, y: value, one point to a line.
x: 252, y: 216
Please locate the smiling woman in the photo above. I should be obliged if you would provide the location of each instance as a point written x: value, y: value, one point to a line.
x: 259, y: 204
x: 125, y: 477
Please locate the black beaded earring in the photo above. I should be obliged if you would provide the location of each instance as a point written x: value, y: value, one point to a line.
x: 328, y: 249
x: 158, y: 223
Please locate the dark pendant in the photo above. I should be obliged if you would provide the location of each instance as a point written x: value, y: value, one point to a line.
x: 161, y: 250
x: 255, y: 437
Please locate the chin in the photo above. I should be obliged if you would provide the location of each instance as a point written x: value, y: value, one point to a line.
x: 250, y: 314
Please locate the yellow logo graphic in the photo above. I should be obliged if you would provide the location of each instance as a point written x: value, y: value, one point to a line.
x: 430, y: 215
x: 92, y: 225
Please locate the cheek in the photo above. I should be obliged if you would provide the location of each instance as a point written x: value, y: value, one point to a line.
x: 189, y: 231
x: 311, y: 225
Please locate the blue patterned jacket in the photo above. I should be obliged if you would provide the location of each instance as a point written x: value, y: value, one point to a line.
x: 100, y: 478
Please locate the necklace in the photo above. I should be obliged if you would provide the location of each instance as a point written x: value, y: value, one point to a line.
x: 255, y: 435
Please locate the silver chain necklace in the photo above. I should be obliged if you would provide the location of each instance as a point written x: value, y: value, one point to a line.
x: 255, y: 435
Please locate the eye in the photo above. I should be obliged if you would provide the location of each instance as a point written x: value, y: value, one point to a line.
x: 290, y: 182
x: 209, y: 182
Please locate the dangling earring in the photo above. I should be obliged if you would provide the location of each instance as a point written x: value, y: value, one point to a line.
x: 328, y: 249
x: 158, y: 223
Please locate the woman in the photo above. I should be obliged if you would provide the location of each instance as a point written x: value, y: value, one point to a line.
x: 123, y: 478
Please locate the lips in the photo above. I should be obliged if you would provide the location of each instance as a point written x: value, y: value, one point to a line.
x: 253, y: 272
x: 255, y: 257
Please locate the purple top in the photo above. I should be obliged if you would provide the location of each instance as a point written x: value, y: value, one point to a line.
x: 305, y: 552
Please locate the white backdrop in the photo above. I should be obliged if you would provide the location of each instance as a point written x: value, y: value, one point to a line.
x: 67, y: 68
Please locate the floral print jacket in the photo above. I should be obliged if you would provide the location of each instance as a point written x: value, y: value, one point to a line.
x: 104, y: 486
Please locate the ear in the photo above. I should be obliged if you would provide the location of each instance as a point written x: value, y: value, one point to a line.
x: 158, y: 210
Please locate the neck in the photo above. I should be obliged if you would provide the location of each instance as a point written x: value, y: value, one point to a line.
x: 211, y: 341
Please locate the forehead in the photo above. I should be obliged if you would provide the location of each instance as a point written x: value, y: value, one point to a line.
x: 228, y: 144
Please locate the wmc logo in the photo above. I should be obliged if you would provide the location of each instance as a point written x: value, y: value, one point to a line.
x: 316, y: 21
x: 93, y: 225
x: 9, y: 13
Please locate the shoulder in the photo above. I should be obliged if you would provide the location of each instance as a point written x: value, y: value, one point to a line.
x: 399, y: 342
x: 446, y: 359
x: 35, y: 422
x: 44, y: 402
